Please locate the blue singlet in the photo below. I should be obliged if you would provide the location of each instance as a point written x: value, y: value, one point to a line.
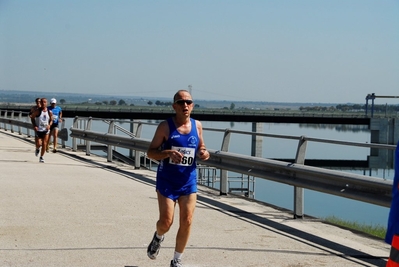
x: 175, y: 180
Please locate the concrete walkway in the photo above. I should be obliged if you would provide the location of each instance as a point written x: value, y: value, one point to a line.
x: 77, y: 210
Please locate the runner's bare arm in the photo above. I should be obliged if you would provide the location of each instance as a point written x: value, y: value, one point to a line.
x: 160, y: 136
x: 203, y: 153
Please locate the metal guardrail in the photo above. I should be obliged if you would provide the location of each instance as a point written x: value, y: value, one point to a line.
x: 353, y: 186
x: 20, y: 120
x: 358, y: 187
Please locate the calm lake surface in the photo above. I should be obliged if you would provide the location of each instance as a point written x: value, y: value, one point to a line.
x: 316, y: 204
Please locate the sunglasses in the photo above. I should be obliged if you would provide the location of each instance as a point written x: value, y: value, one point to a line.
x: 183, y: 101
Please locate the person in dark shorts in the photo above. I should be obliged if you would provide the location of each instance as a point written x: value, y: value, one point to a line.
x: 42, y: 120
x: 176, y: 144
x: 57, y: 118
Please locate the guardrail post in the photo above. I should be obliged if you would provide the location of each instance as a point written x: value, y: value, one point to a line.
x: 88, y: 142
x: 11, y: 126
x: 137, y: 134
x: 74, y: 139
x: 139, y: 129
x: 224, y: 178
x: 111, y: 130
x: 62, y: 127
x: 5, y: 116
x: 20, y: 119
x: 299, y: 191
x: 28, y: 129
x: 256, y: 143
x: 132, y: 127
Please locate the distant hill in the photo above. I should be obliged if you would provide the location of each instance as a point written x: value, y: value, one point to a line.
x: 8, y: 96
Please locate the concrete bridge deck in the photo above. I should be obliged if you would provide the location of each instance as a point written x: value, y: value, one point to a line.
x: 78, y: 210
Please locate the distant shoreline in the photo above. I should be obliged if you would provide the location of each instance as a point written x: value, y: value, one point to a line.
x: 27, y: 97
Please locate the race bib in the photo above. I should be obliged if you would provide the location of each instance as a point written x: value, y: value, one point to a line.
x: 188, y: 156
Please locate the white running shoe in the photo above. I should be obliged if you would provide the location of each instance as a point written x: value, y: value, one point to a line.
x: 154, y: 247
x: 176, y: 263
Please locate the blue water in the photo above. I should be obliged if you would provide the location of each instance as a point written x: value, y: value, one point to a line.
x: 316, y: 204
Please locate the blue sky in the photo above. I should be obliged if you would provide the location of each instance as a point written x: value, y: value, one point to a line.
x: 277, y: 51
